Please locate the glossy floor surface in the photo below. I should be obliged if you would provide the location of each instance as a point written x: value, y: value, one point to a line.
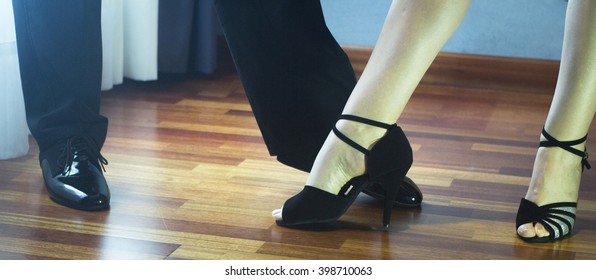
x: 191, y: 179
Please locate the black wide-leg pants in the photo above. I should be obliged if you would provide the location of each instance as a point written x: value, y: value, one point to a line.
x: 60, y: 59
x: 296, y: 76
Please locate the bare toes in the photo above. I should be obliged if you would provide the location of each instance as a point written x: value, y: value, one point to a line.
x: 526, y: 230
x: 540, y: 230
x: 277, y: 214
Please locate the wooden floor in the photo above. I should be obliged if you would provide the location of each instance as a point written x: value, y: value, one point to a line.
x: 191, y: 178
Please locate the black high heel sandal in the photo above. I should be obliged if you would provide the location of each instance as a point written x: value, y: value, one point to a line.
x: 386, y: 163
x: 557, y: 218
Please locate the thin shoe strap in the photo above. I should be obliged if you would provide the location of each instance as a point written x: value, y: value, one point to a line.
x: 360, y: 120
x: 366, y: 121
x: 566, y: 145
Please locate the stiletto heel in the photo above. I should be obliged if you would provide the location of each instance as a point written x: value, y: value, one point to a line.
x: 557, y: 218
x: 387, y: 163
x: 389, y: 197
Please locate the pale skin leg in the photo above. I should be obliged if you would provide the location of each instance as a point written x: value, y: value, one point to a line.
x: 556, y: 174
x: 413, y: 34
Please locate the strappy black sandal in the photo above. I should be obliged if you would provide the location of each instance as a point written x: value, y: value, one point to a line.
x: 387, y: 163
x: 557, y: 218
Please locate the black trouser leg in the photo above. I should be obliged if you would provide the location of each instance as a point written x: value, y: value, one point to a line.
x: 59, y: 47
x: 296, y: 76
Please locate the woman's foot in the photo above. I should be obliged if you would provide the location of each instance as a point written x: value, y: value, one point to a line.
x: 338, y: 162
x: 555, y: 178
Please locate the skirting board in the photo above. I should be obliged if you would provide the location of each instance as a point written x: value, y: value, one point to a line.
x: 471, y: 70
x: 460, y: 69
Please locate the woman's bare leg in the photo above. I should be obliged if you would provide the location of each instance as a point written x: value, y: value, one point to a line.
x: 556, y: 174
x: 413, y: 34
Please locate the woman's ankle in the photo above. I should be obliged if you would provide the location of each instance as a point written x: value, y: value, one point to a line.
x: 555, y: 178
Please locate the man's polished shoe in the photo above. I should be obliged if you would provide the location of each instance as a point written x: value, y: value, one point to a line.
x: 73, y: 174
x: 408, y: 195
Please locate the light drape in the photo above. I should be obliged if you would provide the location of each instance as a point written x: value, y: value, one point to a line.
x: 13, y: 127
x: 129, y: 39
x: 130, y: 43
x: 187, y: 40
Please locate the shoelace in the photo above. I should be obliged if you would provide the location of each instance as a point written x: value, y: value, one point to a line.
x: 80, y: 145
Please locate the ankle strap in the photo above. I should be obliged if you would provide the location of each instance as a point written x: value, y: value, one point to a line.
x: 360, y: 120
x: 566, y: 145
x: 366, y: 121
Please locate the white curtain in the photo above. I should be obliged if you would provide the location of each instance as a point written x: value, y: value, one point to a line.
x: 13, y: 127
x: 129, y: 35
x: 130, y: 49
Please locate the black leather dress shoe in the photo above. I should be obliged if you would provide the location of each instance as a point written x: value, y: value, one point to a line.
x: 73, y: 175
x: 408, y: 195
